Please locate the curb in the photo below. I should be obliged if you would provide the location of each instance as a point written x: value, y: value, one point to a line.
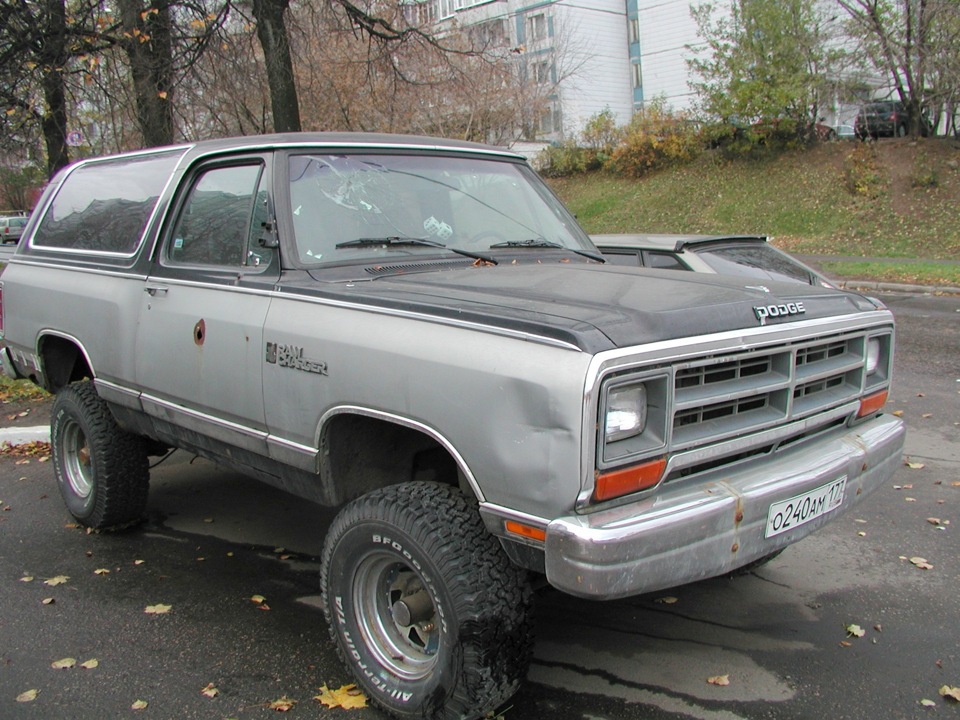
x: 23, y: 435
x: 896, y: 287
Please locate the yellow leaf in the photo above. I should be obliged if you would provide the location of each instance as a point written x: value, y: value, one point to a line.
x: 257, y: 599
x: 90, y: 664
x: 669, y: 600
x: 855, y: 631
x: 950, y: 692
x: 47, y: 601
x: 101, y: 571
x: 26, y: 578
x: 139, y: 705
x: 139, y: 562
x: 921, y: 563
x: 283, y: 704
x: 348, y: 697
x: 63, y: 664
x: 928, y: 703
x: 158, y: 609
x: 58, y: 580
x: 915, y: 465
x: 28, y: 696
x: 897, y: 413
x: 210, y: 691
x: 721, y: 680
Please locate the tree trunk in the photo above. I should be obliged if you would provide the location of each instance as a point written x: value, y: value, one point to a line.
x: 149, y: 46
x: 272, y: 33
x: 54, y: 123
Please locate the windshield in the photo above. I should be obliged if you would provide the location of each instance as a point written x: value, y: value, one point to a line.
x: 349, y: 207
x: 759, y: 261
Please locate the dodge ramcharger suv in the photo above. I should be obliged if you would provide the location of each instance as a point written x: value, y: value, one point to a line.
x: 417, y: 331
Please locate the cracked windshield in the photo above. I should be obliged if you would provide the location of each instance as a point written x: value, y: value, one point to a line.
x: 350, y: 207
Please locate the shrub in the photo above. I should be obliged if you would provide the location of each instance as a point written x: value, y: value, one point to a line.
x: 862, y: 173
x: 654, y: 139
x: 568, y: 159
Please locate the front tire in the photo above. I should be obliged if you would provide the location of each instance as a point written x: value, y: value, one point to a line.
x: 101, y: 470
x: 423, y: 605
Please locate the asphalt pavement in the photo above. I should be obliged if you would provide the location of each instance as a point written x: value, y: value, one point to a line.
x: 787, y: 636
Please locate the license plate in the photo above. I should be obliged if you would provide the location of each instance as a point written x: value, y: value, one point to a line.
x: 788, y: 514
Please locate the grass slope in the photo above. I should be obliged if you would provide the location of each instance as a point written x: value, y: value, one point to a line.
x: 800, y: 198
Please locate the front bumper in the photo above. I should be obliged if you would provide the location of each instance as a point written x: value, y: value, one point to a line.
x: 694, y: 530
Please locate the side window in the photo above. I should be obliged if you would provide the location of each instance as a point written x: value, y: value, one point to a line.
x: 104, y: 206
x: 621, y: 258
x: 220, y: 221
x: 662, y: 261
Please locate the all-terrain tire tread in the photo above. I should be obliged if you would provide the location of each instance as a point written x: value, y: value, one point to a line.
x: 120, y: 460
x: 491, y: 596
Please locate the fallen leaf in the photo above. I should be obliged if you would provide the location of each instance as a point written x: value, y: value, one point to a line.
x: 210, y: 691
x: 855, y: 631
x: 283, y: 704
x: 47, y: 601
x: 257, y: 599
x: 139, y: 562
x: 844, y: 643
x: 28, y: 696
x: 208, y: 520
x: 139, y: 705
x: 861, y: 534
x: 101, y: 571
x: 159, y: 609
x: 26, y: 578
x: 910, y: 499
x: 927, y: 415
x: 348, y: 697
x: 933, y: 521
x: 928, y: 703
x: 921, y: 563
x: 721, y: 680
x: 897, y: 413
x: 63, y: 664
x: 914, y: 465
x: 953, y: 693
x: 90, y: 664
x: 58, y: 580
x: 669, y: 600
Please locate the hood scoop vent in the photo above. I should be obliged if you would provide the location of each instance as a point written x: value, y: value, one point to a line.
x: 403, y: 268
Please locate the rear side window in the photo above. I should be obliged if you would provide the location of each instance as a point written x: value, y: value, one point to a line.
x: 759, y: 261
x: 105, y: 206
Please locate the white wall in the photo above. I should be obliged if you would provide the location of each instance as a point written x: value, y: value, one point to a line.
x: 666, y: 28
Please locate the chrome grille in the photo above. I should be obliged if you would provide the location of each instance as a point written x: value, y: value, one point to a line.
x: 731, y: 395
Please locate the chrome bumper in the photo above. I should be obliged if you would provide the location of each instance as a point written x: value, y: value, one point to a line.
x: 692, y: 531
x: 7, y: 364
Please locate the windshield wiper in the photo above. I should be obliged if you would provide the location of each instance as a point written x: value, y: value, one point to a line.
x: 393, y: 241
x: 542, y: 243
x: 398, y: 241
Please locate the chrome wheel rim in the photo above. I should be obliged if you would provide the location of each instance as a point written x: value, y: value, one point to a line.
x: 77, y: 461
x: 396, y: 616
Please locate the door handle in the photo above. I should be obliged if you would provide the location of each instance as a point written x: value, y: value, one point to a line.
x: 155, y: 290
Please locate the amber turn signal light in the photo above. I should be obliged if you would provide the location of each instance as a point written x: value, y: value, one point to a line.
x: 527, y: 531
x: 871, y: 403
x: 630, y: 480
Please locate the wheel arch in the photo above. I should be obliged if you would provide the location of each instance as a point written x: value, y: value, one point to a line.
x: 362, y: 449
x: 63, y: 360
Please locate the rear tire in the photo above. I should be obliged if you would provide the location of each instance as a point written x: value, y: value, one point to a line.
x: 101, y: 470
x: 423, y: 605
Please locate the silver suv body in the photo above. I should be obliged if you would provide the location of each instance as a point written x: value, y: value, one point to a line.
x: 418, y: 331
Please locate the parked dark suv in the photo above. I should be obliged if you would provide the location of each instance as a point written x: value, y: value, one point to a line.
x: 887, y: 118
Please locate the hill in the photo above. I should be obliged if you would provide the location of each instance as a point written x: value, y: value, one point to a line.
x: 896, y: 198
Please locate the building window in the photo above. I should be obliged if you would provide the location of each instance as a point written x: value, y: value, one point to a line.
x: 634, y: 30
x: 537, y: 27
x: 541, y: 73
x: 637, y: 75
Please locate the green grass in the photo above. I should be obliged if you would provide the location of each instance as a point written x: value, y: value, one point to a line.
x: 800, y: 198
x: 12, y: 391
x: 920, y: 273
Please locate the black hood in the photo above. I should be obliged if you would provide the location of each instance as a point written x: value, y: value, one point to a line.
x: 595, y: 307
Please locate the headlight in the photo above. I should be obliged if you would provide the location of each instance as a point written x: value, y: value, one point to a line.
x: 626, y: 412
x: 873, y: 355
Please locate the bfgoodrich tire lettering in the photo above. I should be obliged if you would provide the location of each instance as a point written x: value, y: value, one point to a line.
x: 423, y: 604
x: 101, y: 470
